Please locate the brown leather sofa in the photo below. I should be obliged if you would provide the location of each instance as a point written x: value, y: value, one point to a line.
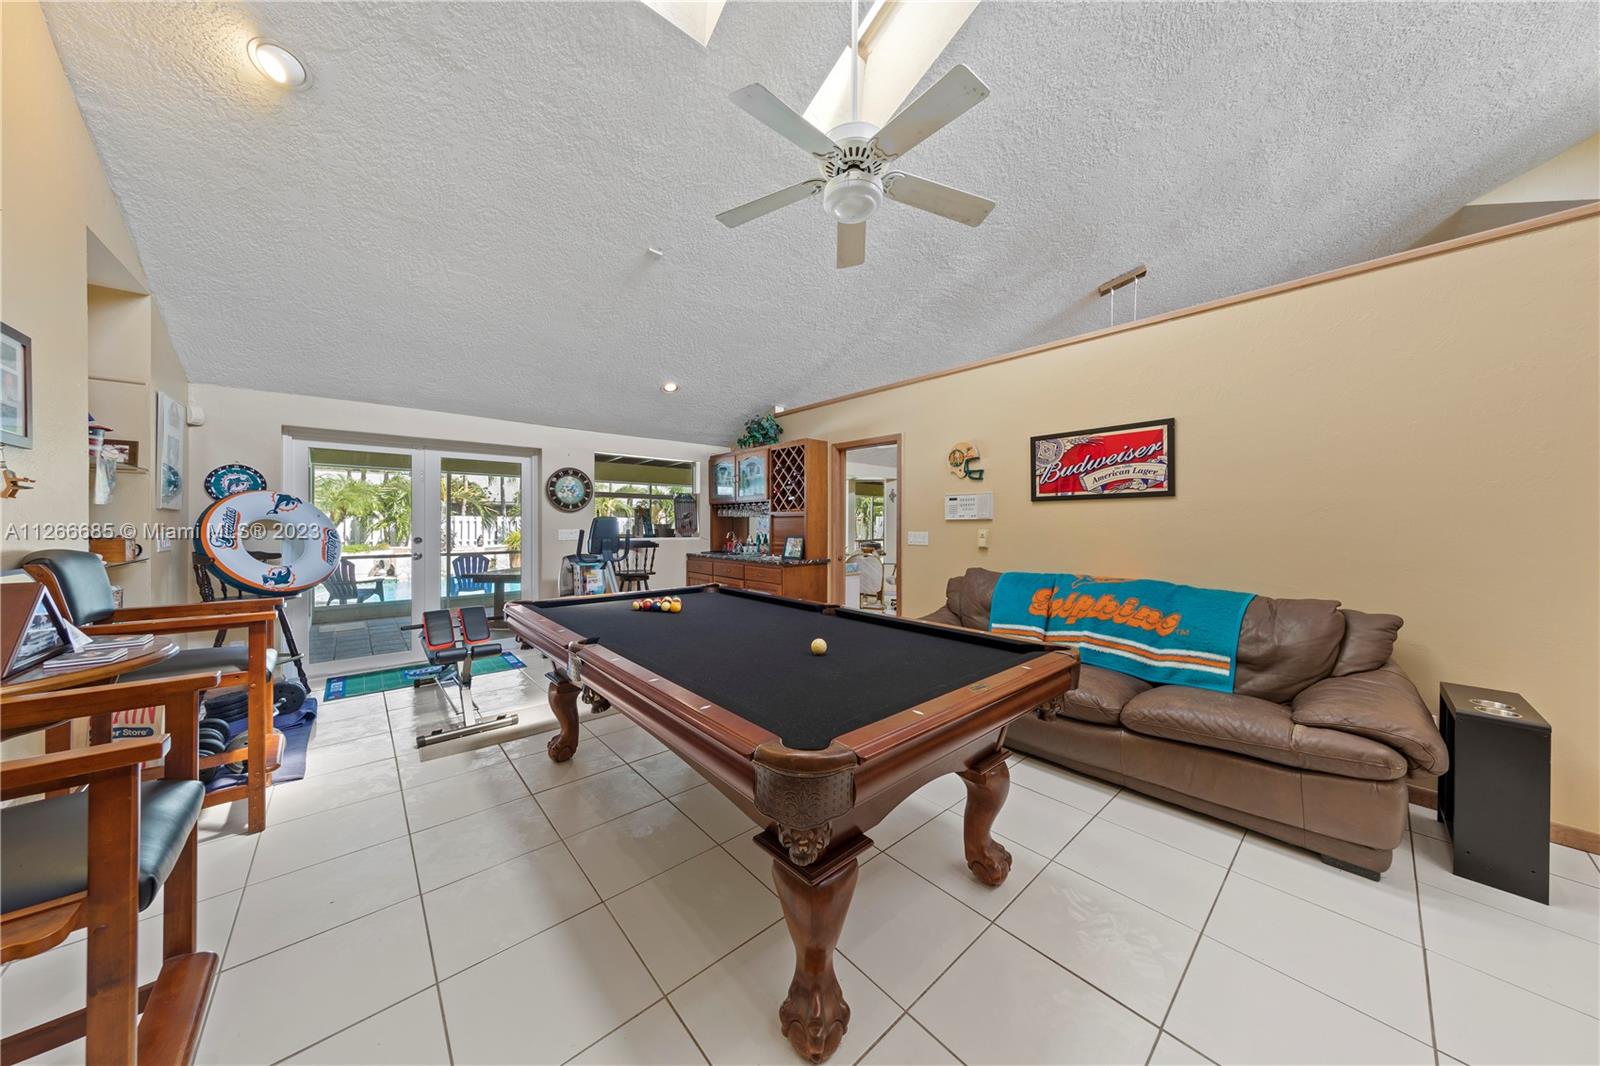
x: 1312, y: 747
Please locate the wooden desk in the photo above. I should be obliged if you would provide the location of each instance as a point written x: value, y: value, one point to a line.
x: 40, y: 680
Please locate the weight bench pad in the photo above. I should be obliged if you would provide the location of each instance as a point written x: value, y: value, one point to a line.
x: 46, y: 853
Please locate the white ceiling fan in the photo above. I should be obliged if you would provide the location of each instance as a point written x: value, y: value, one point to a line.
x: 853, y: 157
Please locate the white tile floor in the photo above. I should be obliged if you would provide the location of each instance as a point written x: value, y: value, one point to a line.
x: 477, y: 903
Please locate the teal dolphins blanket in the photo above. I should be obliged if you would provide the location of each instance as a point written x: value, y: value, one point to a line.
x: 1164, y: 633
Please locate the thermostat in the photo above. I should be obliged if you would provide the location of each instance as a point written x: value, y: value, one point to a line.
x: 969, y: 506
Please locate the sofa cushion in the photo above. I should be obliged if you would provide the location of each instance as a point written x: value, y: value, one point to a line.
x: 977, y: 593
x: 1368, y: 642
x: 1285, y: 645
x: 1257, y: 728
x: 1380, y: 704
x: 1101, y: 694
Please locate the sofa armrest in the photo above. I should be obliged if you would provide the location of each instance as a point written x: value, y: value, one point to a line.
x: 1381, y: 705
x: 944, y: 616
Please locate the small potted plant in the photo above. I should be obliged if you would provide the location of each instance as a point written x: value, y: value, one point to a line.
x: 514, y: 547
x: 763, y: 429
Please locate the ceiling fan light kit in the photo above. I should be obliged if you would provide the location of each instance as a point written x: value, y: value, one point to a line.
x: 853, y: 156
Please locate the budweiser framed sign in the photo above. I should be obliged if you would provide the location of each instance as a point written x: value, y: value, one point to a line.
x: 1108, y: 463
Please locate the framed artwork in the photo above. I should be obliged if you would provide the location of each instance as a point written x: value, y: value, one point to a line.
x: 170, y: 418
x: 1129, y: 461
x: 16, y: 388
x: 794, y: 547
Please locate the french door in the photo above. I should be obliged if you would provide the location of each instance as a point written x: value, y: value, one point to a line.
x: 422, y: 528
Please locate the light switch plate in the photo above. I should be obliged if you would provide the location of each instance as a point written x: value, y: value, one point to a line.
x: 916, y: 537
x: 568, y: 534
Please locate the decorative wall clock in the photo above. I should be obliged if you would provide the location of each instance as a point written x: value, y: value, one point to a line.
x: 569, y: 489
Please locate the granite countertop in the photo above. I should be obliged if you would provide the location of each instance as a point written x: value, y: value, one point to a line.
x: 757, y: 560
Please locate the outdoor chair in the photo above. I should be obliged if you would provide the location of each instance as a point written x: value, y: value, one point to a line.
x: 344, y: 586
x: 462, y: 567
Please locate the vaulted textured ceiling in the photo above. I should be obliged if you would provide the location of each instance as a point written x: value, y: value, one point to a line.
x: 455, y: 214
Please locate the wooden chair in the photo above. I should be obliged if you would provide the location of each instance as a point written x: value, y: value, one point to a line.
x: 93, y: 859
x: 635, y: 567
x: 78, y: 583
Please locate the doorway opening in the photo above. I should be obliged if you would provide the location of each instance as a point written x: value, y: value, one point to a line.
x: 421, y: 529
x: 867, y: 568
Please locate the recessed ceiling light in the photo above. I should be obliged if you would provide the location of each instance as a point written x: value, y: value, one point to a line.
x: 669, y: 386
x: 777, y: 408
x: 277, y: 63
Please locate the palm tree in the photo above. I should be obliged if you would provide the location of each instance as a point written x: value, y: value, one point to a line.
x: 342, y: 496
x: 470, y: 498
x: 394, y: 508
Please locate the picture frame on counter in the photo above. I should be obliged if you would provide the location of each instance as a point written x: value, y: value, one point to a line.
x: 794, y: 547
x: 1134, y: 460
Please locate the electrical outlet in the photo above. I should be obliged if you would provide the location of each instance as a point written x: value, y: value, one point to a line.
x: 983, y: 538
x: 916, y: 537
x: 568, y: 534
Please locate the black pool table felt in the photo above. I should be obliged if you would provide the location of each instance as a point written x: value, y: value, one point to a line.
x: 754, y: 658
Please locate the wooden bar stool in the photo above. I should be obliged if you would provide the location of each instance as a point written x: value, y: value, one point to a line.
x: 637, y: 566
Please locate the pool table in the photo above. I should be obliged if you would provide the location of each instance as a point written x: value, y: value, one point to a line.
x: 817, y: 749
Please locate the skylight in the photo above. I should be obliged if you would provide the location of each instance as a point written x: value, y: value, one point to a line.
x: 899, y: 42
x: 697, y: 18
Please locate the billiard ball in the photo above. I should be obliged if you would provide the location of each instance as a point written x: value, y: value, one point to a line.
x: 819, y: 647
x: 676, y: 607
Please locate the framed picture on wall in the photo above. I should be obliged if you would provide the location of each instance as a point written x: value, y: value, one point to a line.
x: 170, y: 418
x: 16, y: 388
x: 1129, y: 461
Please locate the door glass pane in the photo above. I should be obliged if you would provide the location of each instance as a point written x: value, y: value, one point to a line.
x: 481, y: 531
x: 360, y: 609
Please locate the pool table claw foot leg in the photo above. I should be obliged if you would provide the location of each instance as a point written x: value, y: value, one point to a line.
x: 564, y: 702
x: 987, y: 784
x: 814, y: 1016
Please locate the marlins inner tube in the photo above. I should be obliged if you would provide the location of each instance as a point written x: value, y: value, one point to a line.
x: 307, y: 538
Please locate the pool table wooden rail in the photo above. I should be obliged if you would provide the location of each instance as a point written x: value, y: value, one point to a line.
x: 808, y: 798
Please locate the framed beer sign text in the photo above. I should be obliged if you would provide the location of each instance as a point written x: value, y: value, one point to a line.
x: 1110, y: 462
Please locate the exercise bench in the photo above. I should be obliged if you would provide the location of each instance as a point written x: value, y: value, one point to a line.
x: 453, y: 640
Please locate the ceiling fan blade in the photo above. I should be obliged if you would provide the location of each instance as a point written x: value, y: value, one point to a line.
x: 963, y: 207
x: 945, y: 101
x: 738, y: 216
x: 782, y: 118
x: 852, y: 244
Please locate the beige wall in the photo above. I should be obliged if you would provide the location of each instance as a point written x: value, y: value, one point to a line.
x: 52, y: 194
x: 1419, y: 439
x: 248, y: 426
x: 1572, y: 175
